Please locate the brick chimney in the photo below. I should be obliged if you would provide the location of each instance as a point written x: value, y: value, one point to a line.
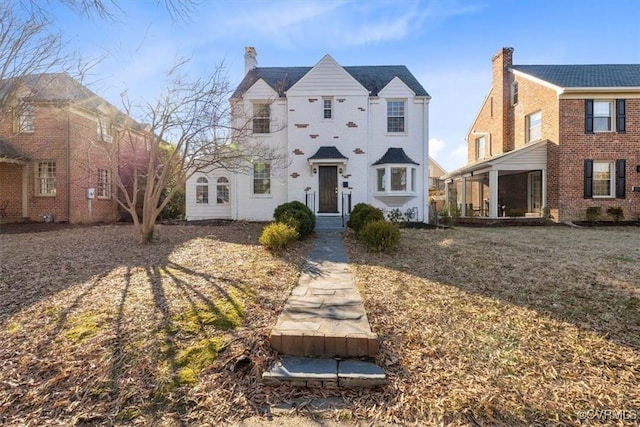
x: 250, y: 59
x: 503, y: 109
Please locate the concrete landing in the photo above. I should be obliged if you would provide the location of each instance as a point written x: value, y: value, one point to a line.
x: 326, y: 373
x: 324, y: 316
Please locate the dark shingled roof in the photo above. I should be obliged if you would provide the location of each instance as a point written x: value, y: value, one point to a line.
x: 394, y: 155
x: 373, y: 78
x: 8, y: 151
x: 328, y: 153
x: 588, y: 76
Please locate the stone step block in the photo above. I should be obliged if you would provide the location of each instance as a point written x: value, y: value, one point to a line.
x: 309, y: 343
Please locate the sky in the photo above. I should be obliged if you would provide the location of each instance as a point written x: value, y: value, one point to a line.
x: 446, y: 44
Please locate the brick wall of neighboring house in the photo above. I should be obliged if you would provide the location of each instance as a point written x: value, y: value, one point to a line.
x: 11, y: 189
x: 69, y: 139
x: 576, y: 146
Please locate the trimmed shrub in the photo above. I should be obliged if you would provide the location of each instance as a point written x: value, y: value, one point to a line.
x: 616, y: 213
x: 277, y: 235
x: 593, y: 213
x: 362, y: 214
x: 296, y: 215
x: 380, y: 235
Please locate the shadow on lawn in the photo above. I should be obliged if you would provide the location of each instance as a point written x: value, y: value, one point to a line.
x: 138, y: 317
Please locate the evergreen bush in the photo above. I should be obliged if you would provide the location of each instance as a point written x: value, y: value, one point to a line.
x: 296, y: 215
x: 277, y: 236
x: 380, y: 235
x: 362, y: 214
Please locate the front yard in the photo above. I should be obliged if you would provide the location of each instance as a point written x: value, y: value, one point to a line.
x: 511, y: 326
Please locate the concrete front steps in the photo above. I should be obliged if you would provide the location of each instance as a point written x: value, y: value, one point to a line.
x: 326, y: 373
x: 331, y: 222
x: 324, y: 326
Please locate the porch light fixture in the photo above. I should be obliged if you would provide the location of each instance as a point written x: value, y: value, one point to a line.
x: 340, y: 171
x: 315, y: 170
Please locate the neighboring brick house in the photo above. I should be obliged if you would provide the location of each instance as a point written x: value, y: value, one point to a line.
x: 556, y: 138
x: 58, y: 152
x: 350, y: 135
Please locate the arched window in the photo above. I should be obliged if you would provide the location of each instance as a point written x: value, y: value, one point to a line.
x: 202, y: 190
x: 222, y: 191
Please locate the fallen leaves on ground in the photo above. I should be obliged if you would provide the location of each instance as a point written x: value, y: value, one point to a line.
x: 508, y: 326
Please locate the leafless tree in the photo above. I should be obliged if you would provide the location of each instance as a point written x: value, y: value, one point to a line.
x: 188, y: 129
x: 27, y: 47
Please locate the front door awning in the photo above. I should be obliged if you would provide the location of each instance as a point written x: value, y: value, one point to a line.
x: 328, y: 155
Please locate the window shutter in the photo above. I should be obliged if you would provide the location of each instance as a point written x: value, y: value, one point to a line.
x: 620, y: 178
x: 588, y: 115
x: 621, y: 115
x: 588, y: 179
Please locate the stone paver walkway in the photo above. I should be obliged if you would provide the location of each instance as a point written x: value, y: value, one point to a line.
x: 324, y: 321
x: 324, y: 315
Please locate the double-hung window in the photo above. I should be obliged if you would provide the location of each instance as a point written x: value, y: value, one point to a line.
x: 481, y: 147
x: 261, y: 178
x: 261, y: 117
x: 327, y: 108
x: 605, y: 116
x: 396, y: 116
x: 534, y: 126
x: 46, y: 179
x: 604, y: 178
x: 202, y: 190
x: 26, y: 119
x: 104, y: 184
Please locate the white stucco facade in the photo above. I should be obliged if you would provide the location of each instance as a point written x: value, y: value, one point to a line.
x: 335, y: 136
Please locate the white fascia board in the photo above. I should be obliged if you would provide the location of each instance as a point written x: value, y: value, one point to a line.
x: 541, y: 82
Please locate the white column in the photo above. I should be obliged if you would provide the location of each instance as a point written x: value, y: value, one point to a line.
x: 463, y: 208
x: 493, y: 194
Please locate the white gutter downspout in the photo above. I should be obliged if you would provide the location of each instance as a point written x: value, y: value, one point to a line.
x: 425, y: 180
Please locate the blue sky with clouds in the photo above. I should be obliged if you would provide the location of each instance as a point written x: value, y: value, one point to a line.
x: 447, y: 44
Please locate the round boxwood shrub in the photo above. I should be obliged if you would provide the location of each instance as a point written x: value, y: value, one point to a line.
x: 380, y: 235
x: 362, y: 214
x: 297, y: 215
x: 277, y: 235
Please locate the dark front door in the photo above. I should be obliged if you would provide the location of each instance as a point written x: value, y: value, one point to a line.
x: 328, y: 182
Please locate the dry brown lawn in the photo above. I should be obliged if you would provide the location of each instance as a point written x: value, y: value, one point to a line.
x: 479, y: 326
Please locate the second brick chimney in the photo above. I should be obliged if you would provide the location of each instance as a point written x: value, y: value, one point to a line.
x: 502, y: 86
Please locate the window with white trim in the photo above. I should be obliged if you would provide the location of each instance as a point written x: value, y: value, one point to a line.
x: 534, y: 126
x: 46, y: 179
x: 261, y: 117
x: 103, y: 130
x: 396, y: 178
x: 395, y: 116
x: 380, y: 179
x: 481, y: 147
x: 222, y: 191
x: 26, y: 119
x: 261, y: 178
x: 202, y: 190
x: 327, y: 108
x: 602, y: 112
x: 104, y: 184
x: 514, y: 93
x: 603, y: 182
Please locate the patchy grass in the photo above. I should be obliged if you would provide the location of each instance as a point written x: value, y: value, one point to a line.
x: 479, y: 326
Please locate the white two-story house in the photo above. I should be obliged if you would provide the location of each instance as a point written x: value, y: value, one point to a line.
x: 349, y: 135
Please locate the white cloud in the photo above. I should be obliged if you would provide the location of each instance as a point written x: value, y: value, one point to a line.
x: 435, y: 147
